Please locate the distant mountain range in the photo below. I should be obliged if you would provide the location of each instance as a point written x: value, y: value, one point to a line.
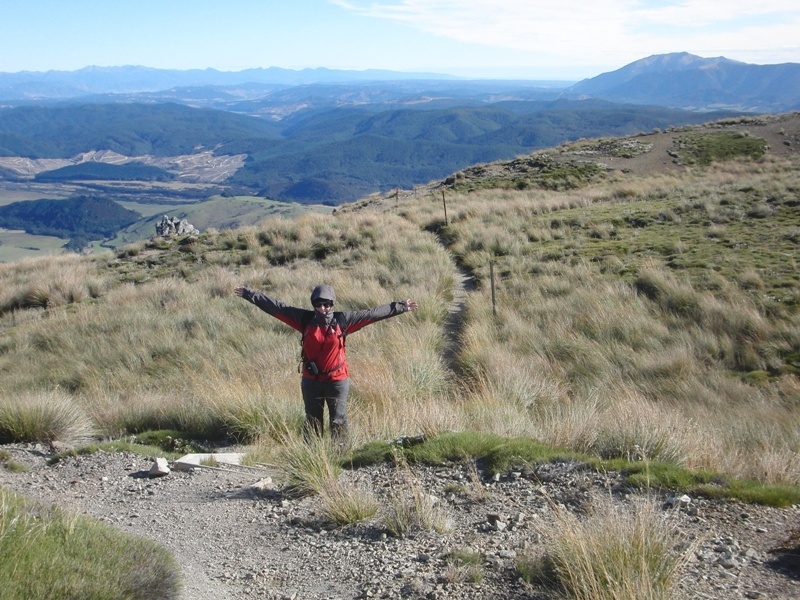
x: 135, y: 79
x: 677, y: 80
x: 324, y: 136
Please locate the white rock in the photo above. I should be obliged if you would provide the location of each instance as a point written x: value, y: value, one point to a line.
x: 160, y: 468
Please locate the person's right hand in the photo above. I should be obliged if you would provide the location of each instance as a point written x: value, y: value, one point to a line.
x: 239, y: 290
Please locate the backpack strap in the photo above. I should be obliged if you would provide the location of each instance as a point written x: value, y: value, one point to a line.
x: 339, y: 316
x: 304, y: 323
x: 308, y: 317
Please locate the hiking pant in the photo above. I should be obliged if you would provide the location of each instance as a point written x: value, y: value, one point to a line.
x: 316, y: 394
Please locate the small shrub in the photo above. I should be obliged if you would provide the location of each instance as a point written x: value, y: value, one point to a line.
x: 9, y: 464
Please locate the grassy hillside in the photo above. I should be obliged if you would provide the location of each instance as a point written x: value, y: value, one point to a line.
x: 646, y: 316
x: 640, y: 316
x: 218, y: 212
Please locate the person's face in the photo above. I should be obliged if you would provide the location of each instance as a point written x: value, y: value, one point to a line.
x: 323, y: 306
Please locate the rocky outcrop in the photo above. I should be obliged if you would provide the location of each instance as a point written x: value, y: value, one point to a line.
x: 172, y: 227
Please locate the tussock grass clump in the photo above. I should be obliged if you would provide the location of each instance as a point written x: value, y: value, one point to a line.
x: 49, y: 282
x: 464, y: 565
x: 312, y: 466
x: 616, y: 553
x: 409, y: 507
x: 44, y: 417
x: 344, y: 504
x: 45, y: 553
x: 309, y: 464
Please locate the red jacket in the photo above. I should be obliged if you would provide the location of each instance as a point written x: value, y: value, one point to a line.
x: 323, y: 342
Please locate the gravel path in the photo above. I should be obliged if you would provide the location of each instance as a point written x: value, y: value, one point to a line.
x: 237, y: 535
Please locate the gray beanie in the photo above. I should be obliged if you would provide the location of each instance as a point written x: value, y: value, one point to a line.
x: 323, y: 292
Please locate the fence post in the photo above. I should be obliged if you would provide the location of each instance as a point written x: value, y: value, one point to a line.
x: 491, y: 277
x: 444, y: 202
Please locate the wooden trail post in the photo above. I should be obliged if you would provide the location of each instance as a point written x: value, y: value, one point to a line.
x: 444, y: 202
x: 491, y: 278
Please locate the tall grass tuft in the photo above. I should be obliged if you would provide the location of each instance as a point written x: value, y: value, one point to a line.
x: 49, y: 553
x: 44, y: 417
x: 344, y: 504
x: 410, y: 507
x: 616, y: 553
x: 464, y: 565
x: 309, y: 464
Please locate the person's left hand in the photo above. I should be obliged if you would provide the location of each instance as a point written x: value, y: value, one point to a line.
x: 411, y: 304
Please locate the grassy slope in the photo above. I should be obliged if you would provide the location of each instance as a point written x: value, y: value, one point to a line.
x: 646, y: 295
x: 216, y: 212
x: 17, y: 245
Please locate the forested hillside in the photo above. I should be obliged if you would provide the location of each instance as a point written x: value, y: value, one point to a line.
x: 325, y: 156
x: 79, y: 219
x: 129, y: 129
x: 106, y: 172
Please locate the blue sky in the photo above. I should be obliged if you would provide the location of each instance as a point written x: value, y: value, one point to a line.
x: 528, y: 39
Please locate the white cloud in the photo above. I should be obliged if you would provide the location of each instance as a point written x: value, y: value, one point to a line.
x: 607, y: 31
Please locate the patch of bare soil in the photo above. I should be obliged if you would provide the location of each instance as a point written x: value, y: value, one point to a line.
x: 238, y: 534
x: 780, y: 132
x: 201, y: 167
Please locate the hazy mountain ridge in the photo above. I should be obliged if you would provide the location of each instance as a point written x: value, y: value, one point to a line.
x: 679, y: 80
x: 132, y: 79
x: 687, y: 81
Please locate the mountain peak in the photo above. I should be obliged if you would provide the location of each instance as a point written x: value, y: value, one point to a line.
x: 688, y: 81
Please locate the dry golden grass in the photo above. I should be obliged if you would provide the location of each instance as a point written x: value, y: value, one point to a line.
x: 617, y: 553
x: 636, y: 318
x: 619, y: 355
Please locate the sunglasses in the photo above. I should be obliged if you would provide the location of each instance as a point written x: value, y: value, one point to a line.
x: 323, y: 304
